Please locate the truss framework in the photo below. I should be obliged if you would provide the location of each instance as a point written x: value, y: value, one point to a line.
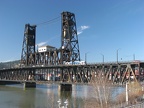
x: 28, y: 47
x: 118, y: 74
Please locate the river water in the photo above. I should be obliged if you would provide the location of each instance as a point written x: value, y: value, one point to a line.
x: 43, y: 96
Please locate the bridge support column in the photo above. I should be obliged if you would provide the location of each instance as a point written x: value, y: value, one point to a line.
x: 29, y: 85
x: 65, y: 87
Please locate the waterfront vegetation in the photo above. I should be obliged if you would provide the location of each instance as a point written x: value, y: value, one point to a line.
x: 102, y: 94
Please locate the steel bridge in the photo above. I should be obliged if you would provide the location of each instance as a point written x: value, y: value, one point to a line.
x: 58, y: 64
x: 115, y: 73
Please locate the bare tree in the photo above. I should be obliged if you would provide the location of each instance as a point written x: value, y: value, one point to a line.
x: 101, y: 92
x: 134, y: 93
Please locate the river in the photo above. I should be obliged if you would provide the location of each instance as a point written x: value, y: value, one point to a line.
x: 43, y: 96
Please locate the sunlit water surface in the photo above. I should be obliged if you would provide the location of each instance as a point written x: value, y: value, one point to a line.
x: 44, y: 96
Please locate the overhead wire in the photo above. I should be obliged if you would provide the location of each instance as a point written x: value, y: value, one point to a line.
x: 49, y: 21
x: 56, y: 19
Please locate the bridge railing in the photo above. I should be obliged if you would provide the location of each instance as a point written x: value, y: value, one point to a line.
x: 114, y: 62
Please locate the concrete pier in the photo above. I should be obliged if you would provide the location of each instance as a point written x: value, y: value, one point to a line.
x: 5, y: 82
x: 29, y: 85
x: 65, y: 87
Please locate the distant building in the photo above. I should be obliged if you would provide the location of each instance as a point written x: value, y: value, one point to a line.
x: 46, y: 48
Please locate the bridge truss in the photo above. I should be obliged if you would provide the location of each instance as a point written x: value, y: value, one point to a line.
x: 76, y: 73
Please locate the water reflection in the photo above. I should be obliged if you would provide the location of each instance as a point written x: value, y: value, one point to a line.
x: 44, y: 96
x: 27, y: 98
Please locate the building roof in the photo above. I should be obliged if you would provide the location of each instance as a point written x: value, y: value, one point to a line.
x: 48, y: 46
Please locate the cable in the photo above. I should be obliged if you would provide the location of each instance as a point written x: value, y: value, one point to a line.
x: 50, y: 21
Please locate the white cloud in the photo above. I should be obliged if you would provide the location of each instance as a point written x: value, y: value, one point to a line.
x: 84, y: 27
x: 41, y: 44
x: 81, y: 29
x: 79, y: 32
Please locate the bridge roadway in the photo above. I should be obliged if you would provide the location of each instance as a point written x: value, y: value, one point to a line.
x: 117, y: 73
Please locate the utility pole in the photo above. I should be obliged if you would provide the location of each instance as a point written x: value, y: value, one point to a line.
x: 126, y: 93
x: 86, y: 57
x: 102, y: 58
x: 117, y: 55
x: 133, y: 56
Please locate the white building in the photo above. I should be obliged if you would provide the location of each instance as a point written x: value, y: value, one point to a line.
x: 45, y: 48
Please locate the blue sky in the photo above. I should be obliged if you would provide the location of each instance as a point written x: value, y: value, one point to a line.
x: 104, y: 26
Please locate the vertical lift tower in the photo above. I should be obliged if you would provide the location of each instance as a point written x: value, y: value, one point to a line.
x: 69, y: 39
x: 28, y: 48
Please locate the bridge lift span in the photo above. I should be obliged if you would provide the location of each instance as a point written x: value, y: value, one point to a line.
x: 68, y: 52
